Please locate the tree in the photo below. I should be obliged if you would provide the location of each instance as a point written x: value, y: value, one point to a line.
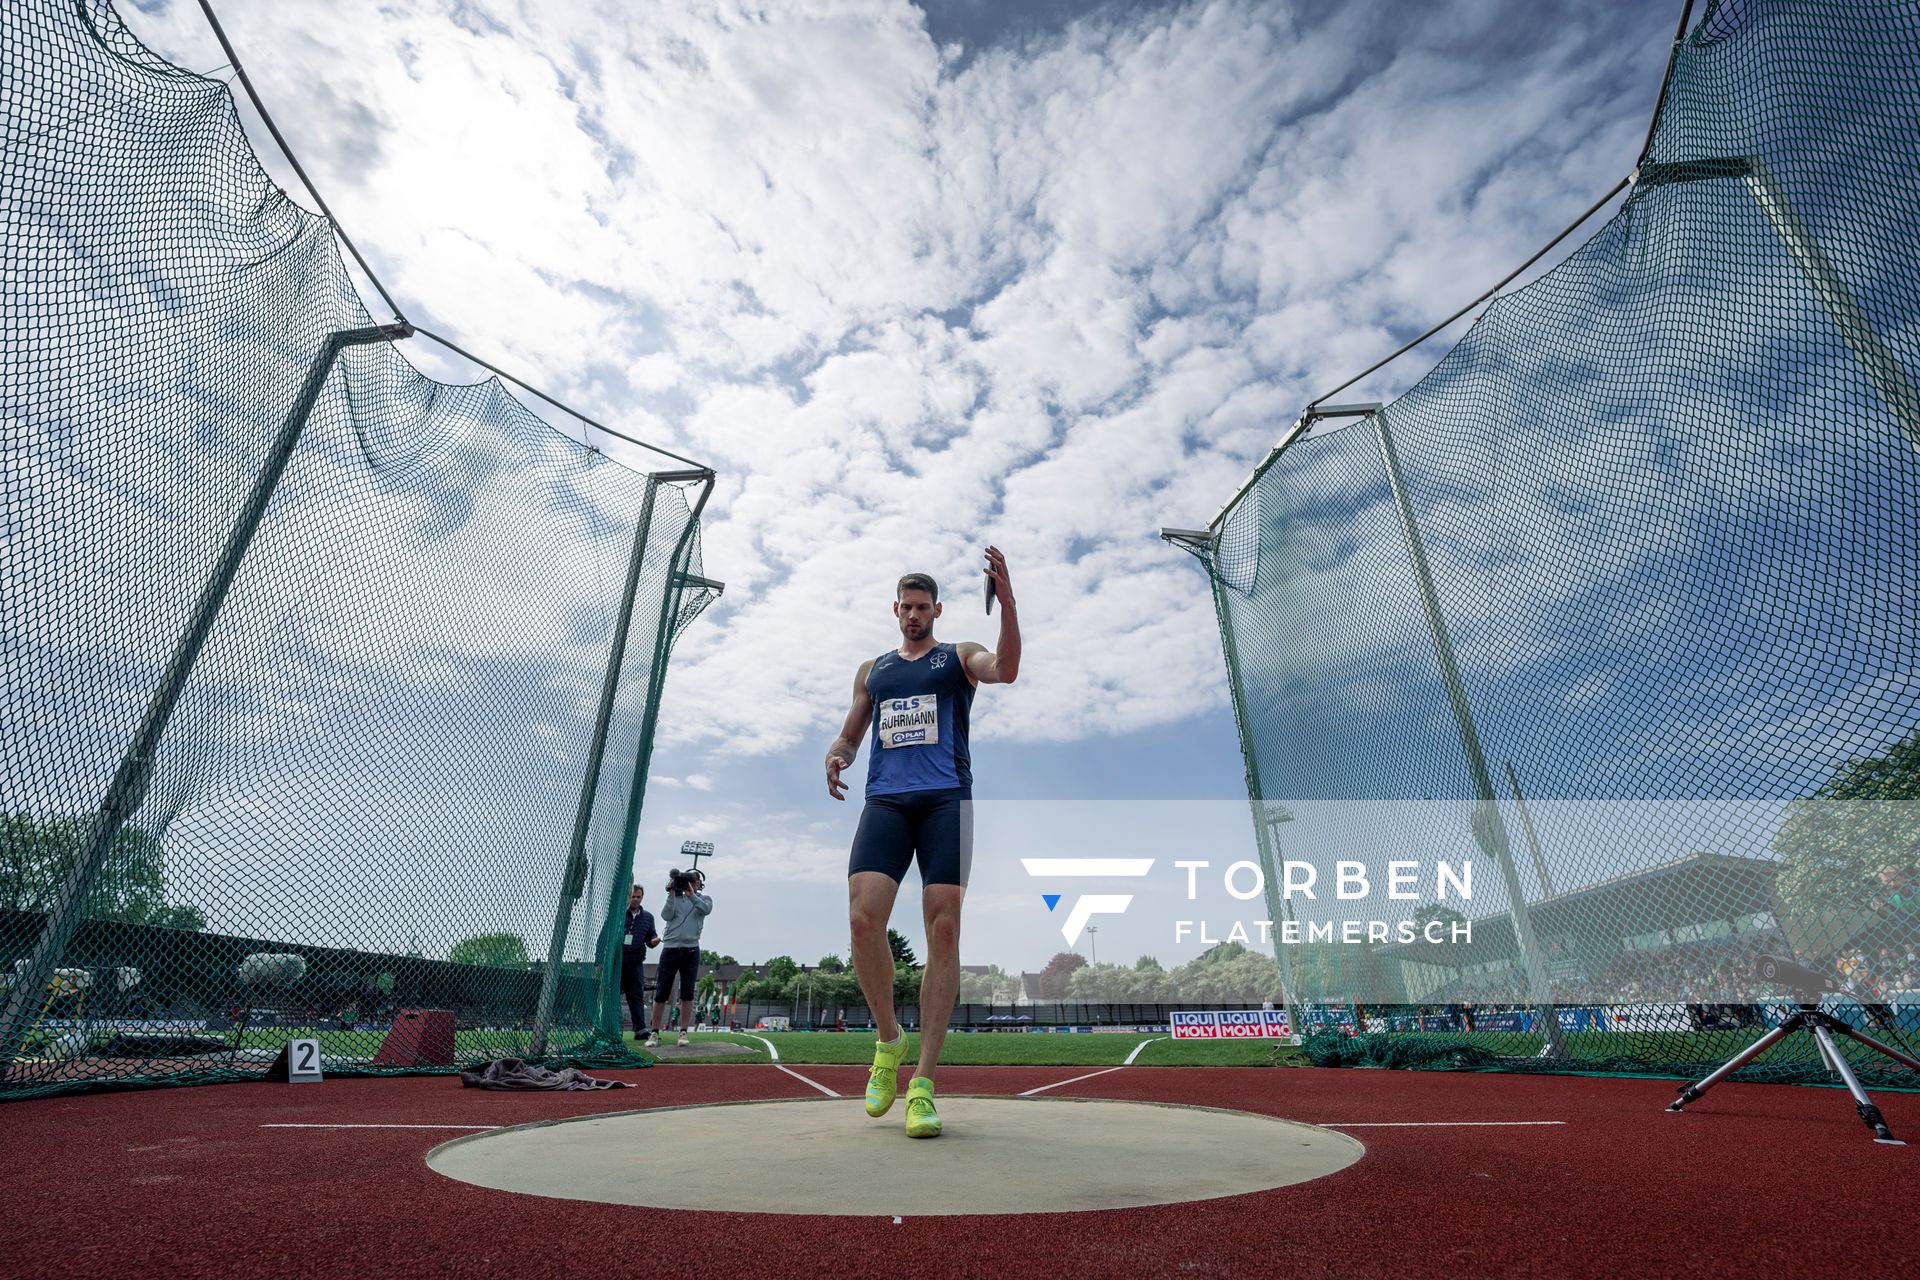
x: 708, y: 959
x: 901, y: 948
x: 985, y: 988
x: 497, y: 950
x: 906, y: 984
x: 1226, y: 974
x: 1120, y: 984
x: 36, y: 854
x: 832, y: 964
x: 1433, y: 911
x: 781, y: 970
x: 1054, y: 978
x: 1854, y: 843
x: 177, y: 917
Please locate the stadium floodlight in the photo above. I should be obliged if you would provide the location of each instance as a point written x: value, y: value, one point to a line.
x: 1882, y: 367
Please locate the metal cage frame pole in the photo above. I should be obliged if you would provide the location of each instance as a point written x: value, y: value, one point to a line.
x: 135, y: 772
x: 1263, y: 838
x: 676, y: 584
x: 1533, y: 837
x: 1273, y: 864
x: 1489, y: 827
x: 573, y: 875
x: 1882, y: 366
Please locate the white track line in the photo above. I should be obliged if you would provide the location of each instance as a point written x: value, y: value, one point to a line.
x: 806, y: 1080
x: 1076, y: 1080
x: 775, y: 1054
x: 1429, y: 1124
x: 379, y: 1126
x: 1137, y: 1048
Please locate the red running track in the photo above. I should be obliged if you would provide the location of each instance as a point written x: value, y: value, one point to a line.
x: 1754, y: 1178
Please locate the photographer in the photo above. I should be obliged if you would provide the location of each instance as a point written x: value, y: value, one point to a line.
x: 681, y: 919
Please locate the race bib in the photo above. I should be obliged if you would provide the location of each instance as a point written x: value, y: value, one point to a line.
x: 910, y: 722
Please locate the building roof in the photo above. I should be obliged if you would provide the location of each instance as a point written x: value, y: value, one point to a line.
x: 1698, y: 889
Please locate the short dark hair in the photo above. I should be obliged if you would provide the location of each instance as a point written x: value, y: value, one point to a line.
x: 918, y: 582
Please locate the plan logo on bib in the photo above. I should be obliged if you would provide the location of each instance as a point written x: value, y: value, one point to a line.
x: 1087, y: 906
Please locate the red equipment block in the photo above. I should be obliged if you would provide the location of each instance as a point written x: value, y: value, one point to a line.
x: 418, y: 1038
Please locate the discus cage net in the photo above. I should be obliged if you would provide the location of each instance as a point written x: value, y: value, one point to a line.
x: 1620, y: 599
x: 329, y: 688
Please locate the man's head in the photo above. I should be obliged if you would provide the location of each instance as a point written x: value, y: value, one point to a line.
x: 634, y: 895
x: 916, y: 602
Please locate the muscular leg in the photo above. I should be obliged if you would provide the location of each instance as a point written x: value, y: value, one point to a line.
x: 870, y: 897
x: 940, y: 982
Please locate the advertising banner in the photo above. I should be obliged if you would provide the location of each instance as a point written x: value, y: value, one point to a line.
x: 1230, y: 1024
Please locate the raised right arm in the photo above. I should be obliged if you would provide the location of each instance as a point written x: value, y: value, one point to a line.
x: 846, y: 747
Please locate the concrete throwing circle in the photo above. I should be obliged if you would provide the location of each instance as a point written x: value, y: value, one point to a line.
x: 827, y: 1156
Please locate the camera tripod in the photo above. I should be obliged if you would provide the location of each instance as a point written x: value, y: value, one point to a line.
x: 1823, y: 1027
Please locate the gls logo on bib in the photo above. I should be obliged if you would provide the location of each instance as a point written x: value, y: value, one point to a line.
x: 910, y: 722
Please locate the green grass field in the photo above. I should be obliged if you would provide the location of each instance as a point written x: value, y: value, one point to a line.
x: 998, y: 1049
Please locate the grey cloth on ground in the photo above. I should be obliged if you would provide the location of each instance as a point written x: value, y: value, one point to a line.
x: 511, y: 1073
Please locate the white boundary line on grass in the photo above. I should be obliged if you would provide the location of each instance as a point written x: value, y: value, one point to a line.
x: 1137, y: 1048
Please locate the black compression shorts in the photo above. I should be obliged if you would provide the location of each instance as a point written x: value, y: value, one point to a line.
x: 934, y: 827
x: 684, y: 961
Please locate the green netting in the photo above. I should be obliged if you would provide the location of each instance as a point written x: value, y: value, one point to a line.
x: 364, y: 785
x: 1620, y: 600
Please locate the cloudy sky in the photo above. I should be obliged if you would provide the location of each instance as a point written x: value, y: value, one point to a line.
x: 915, y: 279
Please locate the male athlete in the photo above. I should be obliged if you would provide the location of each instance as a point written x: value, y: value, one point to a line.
x: 917, y: 699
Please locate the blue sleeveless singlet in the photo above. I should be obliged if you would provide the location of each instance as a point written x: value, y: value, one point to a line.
x: 920, y: 715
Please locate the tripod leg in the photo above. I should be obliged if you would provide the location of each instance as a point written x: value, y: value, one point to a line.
x: 1692, y: 1092
x: 1891, y: 1052
x: 1829, y: 1060
x: 1869, y: 1113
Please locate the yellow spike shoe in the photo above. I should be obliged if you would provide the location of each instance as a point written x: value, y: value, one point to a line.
x: 922, y: 1120
x: 882, y: 1081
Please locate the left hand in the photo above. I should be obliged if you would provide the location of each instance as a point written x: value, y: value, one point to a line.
x: 1002, y: 584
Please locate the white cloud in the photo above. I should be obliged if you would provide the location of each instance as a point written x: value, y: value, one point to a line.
x: 1051, y: 296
